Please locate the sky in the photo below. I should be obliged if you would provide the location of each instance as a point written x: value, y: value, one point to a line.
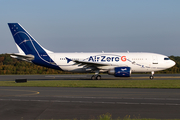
x: 95, y: 25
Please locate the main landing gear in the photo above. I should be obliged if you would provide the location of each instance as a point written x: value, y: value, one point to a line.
x: 151, y: 77
x: 96, y: 76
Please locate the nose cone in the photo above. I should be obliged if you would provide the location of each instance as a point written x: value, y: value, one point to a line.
x: 172, y: 63
x: 169, y: 63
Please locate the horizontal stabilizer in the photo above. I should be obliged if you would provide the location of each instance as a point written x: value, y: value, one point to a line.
x: 28, y: 58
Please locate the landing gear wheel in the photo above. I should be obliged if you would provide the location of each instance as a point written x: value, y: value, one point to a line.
x: 98, y: 77
x: 93, y: 77
x: 151, y: 77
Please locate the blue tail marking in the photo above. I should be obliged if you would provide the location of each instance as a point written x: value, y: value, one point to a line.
x: 30, y: 46
x: 24, y: 40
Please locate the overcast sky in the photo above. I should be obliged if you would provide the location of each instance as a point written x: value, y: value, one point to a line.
x: 95, y: 25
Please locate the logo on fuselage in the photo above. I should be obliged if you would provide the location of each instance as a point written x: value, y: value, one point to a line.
x: 106, y: 59
x: 123, y: 58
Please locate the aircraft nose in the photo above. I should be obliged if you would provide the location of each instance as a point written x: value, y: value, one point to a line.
x: 172, y: 63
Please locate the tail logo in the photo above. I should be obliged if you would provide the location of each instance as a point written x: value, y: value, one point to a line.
x: 24, y: 41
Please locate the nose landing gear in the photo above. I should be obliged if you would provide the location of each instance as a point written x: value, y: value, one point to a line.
x: 151, y: 77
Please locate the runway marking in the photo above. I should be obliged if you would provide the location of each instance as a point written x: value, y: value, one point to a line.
x: 106, y: 102
x: 29, y: 94
x: 119, y: 98
x: 127, y: 103
x: 91, y: 102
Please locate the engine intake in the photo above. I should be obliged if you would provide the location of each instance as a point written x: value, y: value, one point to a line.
x: 120, y: 72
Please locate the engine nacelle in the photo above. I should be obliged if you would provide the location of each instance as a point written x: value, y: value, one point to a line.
x: 120, y: 72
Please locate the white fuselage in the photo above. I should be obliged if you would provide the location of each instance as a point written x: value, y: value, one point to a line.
x: 138, y: 62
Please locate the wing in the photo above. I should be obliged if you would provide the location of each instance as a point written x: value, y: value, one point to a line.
x: 97, y: 65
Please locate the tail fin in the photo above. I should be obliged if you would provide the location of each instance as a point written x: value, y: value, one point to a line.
x: 29, y: 48
x: 24, y: 41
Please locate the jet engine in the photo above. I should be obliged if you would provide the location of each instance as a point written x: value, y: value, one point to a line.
x: 120, y: 72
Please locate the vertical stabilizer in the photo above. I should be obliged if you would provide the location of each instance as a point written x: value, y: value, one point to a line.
x: 28, y: 46
x: 25, y: 41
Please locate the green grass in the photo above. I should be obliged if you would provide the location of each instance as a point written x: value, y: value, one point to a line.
x: 98, y: 83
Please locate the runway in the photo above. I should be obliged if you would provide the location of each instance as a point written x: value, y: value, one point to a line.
x: 88, y: 77
x: 87, y: 103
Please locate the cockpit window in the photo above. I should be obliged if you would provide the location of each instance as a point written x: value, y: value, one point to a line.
x: 166, y: 59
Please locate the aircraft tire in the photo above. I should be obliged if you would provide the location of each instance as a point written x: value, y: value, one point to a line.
x: 151, y: 77
x: 93, y: 77
x: 98, y: 77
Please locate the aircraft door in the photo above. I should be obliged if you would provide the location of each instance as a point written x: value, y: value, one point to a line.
x: 154, y: 60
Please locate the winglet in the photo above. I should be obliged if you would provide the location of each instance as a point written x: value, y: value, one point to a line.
x: 68, y: 60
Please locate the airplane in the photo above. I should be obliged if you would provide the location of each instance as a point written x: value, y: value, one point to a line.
x: 119, y: 64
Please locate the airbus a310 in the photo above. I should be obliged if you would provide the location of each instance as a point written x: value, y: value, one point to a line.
x: 119, y: 64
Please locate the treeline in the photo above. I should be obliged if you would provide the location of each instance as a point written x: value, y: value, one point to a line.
x: 10, y: 65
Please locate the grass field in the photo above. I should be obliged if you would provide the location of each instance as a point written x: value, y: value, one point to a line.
x: 98, y: 83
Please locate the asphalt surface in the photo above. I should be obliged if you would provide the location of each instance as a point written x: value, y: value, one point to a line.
x: 86, y: 103
x: 88, y: 77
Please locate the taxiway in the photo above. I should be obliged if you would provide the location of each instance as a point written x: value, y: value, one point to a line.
x: 87, y: 103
